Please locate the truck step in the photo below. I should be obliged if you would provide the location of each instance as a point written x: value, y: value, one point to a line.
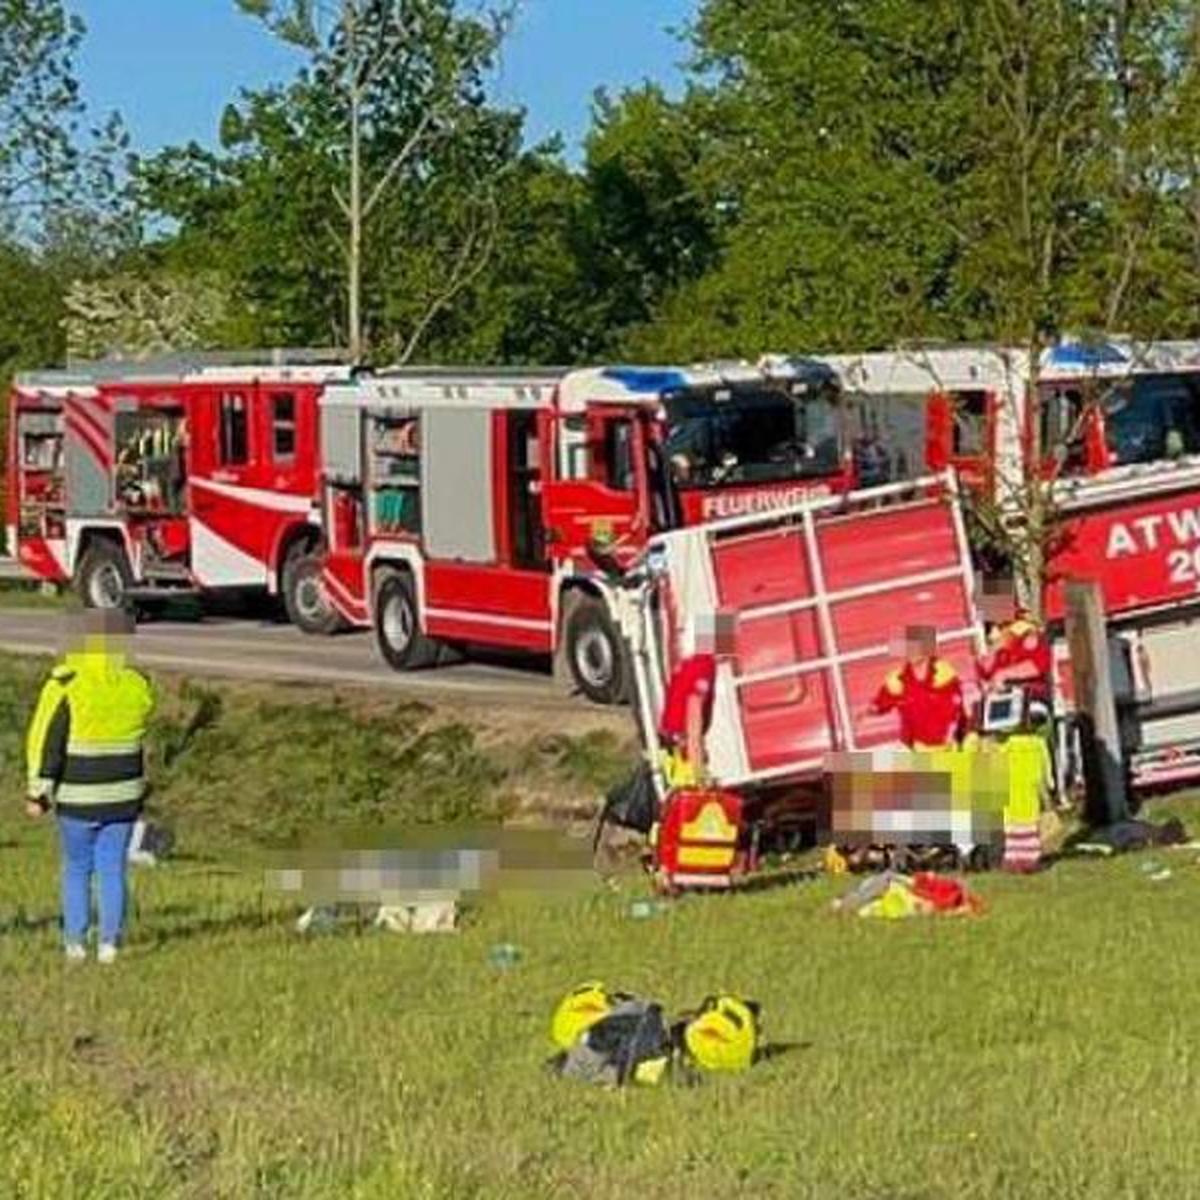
x: 150, y: 592
x: 164, y: 572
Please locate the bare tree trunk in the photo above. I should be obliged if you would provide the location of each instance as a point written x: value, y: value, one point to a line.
x: 354, y: 249
x: 1034, y: 564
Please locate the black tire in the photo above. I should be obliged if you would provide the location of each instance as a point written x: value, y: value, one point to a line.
x: 398, y: 627
x: 103, y: 579
x: 596, y: 654
x: 304, y: 599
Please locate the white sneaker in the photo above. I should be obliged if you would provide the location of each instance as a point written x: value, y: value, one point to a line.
x: 75, y: 952
x: 106, y: 952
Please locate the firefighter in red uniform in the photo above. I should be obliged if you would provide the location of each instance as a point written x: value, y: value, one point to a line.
x: 926, y: 693
x: 688, y: 703
x: 1018, y: 650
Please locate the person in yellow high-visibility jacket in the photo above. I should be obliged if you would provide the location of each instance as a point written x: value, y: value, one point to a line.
x: 1029, y: 782
x: 85, y: 762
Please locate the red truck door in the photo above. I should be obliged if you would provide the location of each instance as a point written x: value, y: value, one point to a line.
x: 960, y: 432
x: 821, y: 597
x: 230, y: 541
x: 602, y: 492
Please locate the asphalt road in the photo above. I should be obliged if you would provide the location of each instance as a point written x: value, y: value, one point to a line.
x: 261, y: 650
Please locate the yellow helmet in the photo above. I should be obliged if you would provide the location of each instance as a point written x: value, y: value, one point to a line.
x: 577, y: 1012
x: 724, y: 1035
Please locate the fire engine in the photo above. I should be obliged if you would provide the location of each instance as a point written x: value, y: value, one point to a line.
x: 137, y: 482
x: 500, y: 509
x: 1121, y: 432
x: 1102, y: 406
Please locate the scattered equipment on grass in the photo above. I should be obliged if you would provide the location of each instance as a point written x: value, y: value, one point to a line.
x: 615, y: 1038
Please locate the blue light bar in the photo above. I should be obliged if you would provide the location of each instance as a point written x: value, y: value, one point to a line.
x: 643, y: 381
x: 1077, y: 354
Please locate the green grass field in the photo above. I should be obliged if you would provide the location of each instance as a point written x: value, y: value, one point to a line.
x: 1045, y: 1049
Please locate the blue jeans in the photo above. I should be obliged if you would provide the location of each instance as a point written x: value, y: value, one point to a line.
x: 92, y: 847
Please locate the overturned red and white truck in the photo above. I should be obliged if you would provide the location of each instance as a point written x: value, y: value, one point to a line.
x: 819, y: 596
x: 497, y: 508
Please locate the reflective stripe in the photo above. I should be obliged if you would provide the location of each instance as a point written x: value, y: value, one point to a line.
x: 83, y: 794
x: 98, y: 749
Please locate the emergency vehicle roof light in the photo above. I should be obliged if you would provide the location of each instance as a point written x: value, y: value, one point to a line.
x: 1082, y: 354
x: 646, y: 380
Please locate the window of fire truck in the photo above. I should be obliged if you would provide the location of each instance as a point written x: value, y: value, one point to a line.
x: 526, y: 533
x: 283, y: 426
x: 1153, y: 418
x: 970, y: 424
x: 1062, y: 428
x: 759, y: 435
x: 151, y: 462
x: 618, y: 455
x: 234, y: 432
x: 664, y: 499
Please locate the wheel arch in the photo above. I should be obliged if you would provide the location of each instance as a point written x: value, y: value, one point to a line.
x: 397, y: 560
x: 293, y: 534
x: 87, y: 536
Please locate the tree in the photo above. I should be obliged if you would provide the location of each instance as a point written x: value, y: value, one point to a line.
x: 826, y: 140
x: 39, y: 105
x: 403, y: 79
x: 1067, y: 215
x: 136, y: 315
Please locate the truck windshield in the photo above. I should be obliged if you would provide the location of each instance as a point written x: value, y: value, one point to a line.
x: 755, y: 435
x: 1153, y: 417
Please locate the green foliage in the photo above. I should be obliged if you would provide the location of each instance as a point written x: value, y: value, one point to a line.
x: 39, y: 103
x: 895, y: 169
x: 143, y: 314
x: 835, y: 176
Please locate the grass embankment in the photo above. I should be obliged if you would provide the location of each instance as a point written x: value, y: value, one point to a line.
x: 21, y: 593
x: 1047, y: 1049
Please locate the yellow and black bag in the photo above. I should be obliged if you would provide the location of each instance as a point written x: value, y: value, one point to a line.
x: 724, y: 1035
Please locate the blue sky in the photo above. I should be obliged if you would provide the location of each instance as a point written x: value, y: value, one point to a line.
x: 170, y: 66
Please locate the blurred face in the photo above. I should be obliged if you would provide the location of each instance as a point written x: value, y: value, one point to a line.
x: 996, y: 603
x: 98, y: 631
x: 920, y: 642
x: 714, y: 635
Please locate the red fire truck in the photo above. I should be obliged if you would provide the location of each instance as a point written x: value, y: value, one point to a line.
x: 139, y: 482
x: 1121, y: 428
x: 1101, y: 406
x: 498, y: 509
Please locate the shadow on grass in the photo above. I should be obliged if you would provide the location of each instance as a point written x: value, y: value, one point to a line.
x: 21, y: 922
x: 774, y: 1050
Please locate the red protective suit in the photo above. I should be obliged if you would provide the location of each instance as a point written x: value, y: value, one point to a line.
x: 695, y: 676
x: 1018, y: 653
x: 929, y: 703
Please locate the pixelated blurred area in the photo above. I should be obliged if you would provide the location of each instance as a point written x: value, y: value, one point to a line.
x: 96, y: 630
x: 417, y: 866
x: 954, y: 797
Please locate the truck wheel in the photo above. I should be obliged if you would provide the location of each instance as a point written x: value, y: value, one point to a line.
x: 596, y: 654
x: 104, y: 578
x: 304, y: 598
x: 398, y: 627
